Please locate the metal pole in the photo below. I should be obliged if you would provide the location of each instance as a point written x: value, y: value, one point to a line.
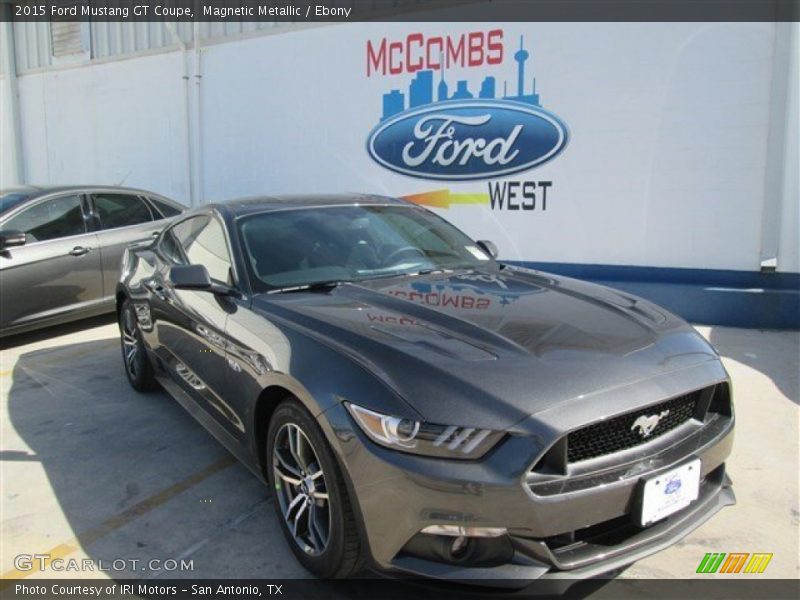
x: 198, y: 121
x: 11, y: 101
x: 188, y: 165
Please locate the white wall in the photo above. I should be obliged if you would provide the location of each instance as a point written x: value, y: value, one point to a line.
x: 108, y: 123
x: 789, y: 241
x: 666, y: 164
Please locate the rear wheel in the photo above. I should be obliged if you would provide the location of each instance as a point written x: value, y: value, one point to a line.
x: 137, y: 364
x: 310, y: 495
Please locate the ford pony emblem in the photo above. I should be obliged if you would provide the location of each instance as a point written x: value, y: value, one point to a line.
x: 646, y: 424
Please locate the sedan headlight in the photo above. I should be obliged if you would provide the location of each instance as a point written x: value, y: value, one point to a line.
x: 407, y: 435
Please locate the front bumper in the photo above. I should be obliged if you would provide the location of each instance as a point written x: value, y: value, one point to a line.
x: 533, y: 559
x: 579, y: 528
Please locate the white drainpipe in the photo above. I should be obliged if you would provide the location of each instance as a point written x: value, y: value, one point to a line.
x: 188, y: 163
x: 11, y: 100
x: 198, y: 122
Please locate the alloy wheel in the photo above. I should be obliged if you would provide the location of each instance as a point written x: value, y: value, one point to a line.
x: 130, y: 342
x: 301, y: 489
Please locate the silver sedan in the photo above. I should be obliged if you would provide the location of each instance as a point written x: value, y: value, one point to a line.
x: 60, y: 249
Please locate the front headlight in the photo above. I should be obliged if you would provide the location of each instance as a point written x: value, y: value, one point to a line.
x: 427, y: 439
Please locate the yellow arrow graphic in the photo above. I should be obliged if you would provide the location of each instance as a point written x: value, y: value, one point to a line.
x: 444, y: 198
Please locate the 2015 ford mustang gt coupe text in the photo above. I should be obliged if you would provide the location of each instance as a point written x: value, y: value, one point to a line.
x: 418, y: 406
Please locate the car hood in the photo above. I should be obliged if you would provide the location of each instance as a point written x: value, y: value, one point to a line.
x: 489, y: 348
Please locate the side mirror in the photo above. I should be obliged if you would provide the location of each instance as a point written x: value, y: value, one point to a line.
x: 488, y: 247
x: 11, y: 238
x: 189, y: 277
x: 196, y: 277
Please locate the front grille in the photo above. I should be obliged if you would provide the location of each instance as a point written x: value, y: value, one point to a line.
x: 619, y: 433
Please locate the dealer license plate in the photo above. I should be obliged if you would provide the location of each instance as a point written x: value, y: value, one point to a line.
x: 670, y: 491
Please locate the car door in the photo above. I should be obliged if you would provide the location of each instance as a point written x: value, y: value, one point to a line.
x: 121, y: 218
x: 190, y: 325
x: 58, y: 271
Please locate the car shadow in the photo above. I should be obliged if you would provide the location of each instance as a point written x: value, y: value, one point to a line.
x: 775, y: 354
x: 134, y: 476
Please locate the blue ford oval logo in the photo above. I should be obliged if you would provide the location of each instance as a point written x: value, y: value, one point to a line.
x: 463, y: 140
x: 673, y: 485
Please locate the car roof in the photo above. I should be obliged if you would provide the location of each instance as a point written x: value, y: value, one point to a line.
x: 30, y: 193
x: 40, y: 190
x: 257, y: 204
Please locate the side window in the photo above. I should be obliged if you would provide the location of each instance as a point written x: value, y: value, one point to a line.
x: 166, y: 210
x: 51, y: 219
x: 119, y: 210
x: 170, y: 248
x: 202, y: 241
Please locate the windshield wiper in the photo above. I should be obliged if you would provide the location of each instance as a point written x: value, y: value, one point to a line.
x: 334, y: 283
x: 441, y: 270
x: 429, y: 272
x: 317, y: 285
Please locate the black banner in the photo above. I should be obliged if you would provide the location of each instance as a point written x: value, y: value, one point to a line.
x: 746, y: 587
x: 343, y: 11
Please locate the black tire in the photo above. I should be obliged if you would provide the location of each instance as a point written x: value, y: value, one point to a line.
x: 134, y: 357
x: 342, y: 554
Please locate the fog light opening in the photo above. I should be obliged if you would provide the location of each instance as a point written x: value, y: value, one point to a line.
x: 454, y: 545
x: 459, y: 546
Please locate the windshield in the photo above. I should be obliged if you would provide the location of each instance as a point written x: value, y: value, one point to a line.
x: 350, y: 243
x: 11, y: 198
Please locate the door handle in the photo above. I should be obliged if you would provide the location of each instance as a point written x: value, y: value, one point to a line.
x: 79, y: 251
x: 155, y: 233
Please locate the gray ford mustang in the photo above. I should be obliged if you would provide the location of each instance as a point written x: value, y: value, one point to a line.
x: 419, y: 407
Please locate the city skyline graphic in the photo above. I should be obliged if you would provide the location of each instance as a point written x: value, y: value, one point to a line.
x: 421, y: 89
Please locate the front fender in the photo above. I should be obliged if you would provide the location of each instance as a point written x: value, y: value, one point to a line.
x: 268, y: 353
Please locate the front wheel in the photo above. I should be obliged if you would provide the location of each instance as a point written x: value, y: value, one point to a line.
x: 137, y: 364
x: 310, y: 495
